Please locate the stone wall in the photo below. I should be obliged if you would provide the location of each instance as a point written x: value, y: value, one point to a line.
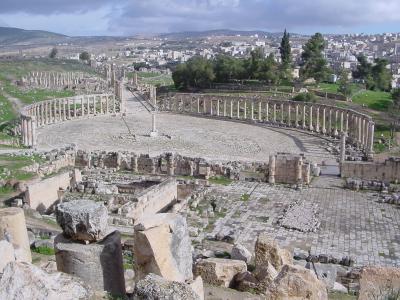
x: 387, y: 171
x: 42, y: 195
x: 288, y: 168
x: 153, y: 200
x: 322, y: 119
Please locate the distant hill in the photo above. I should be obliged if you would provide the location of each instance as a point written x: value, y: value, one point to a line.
x: 16, y: 36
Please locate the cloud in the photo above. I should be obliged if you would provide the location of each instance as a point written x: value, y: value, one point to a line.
x: 136, y: 16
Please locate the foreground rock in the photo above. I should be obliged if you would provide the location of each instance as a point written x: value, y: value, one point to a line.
x: 83, y: 220
x: 379, y: 283
x: 267, y: 251
x: 98, y: 264
x: 240, y: 252
x: 7, y: 254
x: 154, y: 287
x: 26, y: 281
x: 296, y: 282
x: 162, y: 246
x: 219, y: 271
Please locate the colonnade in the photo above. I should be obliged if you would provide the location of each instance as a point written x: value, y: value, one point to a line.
x: 63, y: 109
x: 323, y: 119
x: 53, y: 79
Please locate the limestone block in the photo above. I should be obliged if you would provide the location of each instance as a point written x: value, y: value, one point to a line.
x: 26, y: 281
x: 267, y: 251
x: 13, y: 229
x: 219, y: 271
x: 240, y: 252
x: 98, y: 264
x: 198, y: 287
x: 162, y: 246
x: 379, y: 282
x: 296, y: 282
x: 6, y: 254
x: 83, y: 220
x: 154, y: 287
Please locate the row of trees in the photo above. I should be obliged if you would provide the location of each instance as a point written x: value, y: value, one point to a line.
x: 199, y: 72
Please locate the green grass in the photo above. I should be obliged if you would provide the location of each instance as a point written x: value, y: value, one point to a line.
x: 245, y: 197
x: 44, y: 250
x: 11, y: 165
x: 341, y: 296
x: 7, y: 112
x: 220, y: 180
x: 374, y: 100
x: 148, y: 74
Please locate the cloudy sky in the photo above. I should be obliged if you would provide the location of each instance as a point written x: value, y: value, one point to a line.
x: 126, y: 17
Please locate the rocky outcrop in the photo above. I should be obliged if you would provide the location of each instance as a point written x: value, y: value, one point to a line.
x: 154, y: 287
x: 268, y: 251
x: 379, y: 283
x: 240, y: 252
x: 83, y: 220
x: 162, y: 246
x: 26, y: 281
x: 296, y: 282
x: 219, y: 271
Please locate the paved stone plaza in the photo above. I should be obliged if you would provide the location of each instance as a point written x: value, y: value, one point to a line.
x: 190, y: 136
x: 352, y: 223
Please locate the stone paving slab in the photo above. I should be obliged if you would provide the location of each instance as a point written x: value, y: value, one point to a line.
x: 352, y: 223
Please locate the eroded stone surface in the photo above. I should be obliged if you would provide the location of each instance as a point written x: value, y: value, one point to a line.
x: 83, y: 220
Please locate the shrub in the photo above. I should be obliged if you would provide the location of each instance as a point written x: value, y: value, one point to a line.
x: 305, y: 97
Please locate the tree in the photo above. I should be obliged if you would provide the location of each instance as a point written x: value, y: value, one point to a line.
x: 381, y: 76
x: 255, y: 58
x: 285, y: 49
x: 53, y: 53
x: 363, y: 68
x: 197, y: 72
x: 84, y: 55
x: 344, y: 84
x: 268, y: 70
x: 227, y: 68
x: 313, y: 62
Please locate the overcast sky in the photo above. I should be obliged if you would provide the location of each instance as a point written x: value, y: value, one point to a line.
x: 126, y: 17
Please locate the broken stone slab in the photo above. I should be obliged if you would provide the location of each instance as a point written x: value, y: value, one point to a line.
x: 198, y: 287
x: 379, y: 283
x: 154, y: 287
x: 83, y: 220
x: 219, y: 271
x: 13, y: 229
x: 98, y: 264
x: 162, y: 246
x: 240, y: 252
x: 7, y: 254
x: 267, y: 251
x: 296, y: 282
x: 25, y: 281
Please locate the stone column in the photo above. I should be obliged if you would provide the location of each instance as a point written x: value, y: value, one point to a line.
x: 238, y: 109
x: 23, y: 131
x: 50, y: 112
x: 46, y: 121
x: 311, y: 127
x: 153, y: 132
x: 274, y: 112
x: 347, y: 122
x: 341, y: 121
x: 282, y: 116
x: 101, y: 104
x: 218, y: 108
x: 359, y: 131
x: 297, y: 116
x: 42, y: 115
x: 317, y: 123
x: 114, y: 105
x: 252, y: 110
x: 324, y: 120
x: 259, y: 111
x: 245, y: 109
x: 28, y: 132
x: 371, y: 139
x: 198, y: 105
x: 299, y: 169
x: 231, y: 109
x: 34, y: 138
x: 289, y: 121
x: 304, y: 116
x: 211, y: 107
x: 343, y: 147
x: 272, y: 168
x: 330, y: 121
x: 69, y: 108
x: 13, y: 230
x: 336, y: 123
x: 267, y: 111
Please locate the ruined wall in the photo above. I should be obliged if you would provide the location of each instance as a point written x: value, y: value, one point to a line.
x: 42, y: 195
x: 152, y: 200
x: 288, y: 168
x: 386, y: 171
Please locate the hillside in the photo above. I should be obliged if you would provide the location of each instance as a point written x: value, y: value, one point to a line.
x: 15, y: 36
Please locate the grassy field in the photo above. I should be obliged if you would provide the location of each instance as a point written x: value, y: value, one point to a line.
x: 379, y: 101
x: 7, y: 112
